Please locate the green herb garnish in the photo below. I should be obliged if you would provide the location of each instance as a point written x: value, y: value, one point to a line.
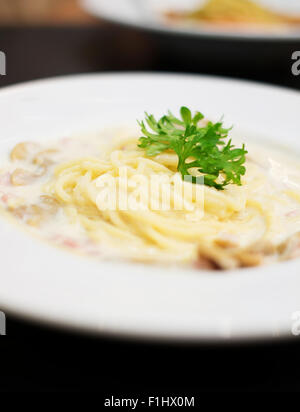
x: 196, y: 147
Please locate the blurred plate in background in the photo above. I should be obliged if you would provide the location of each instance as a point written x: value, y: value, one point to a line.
x: 207, y: 49
x: 150, y: 15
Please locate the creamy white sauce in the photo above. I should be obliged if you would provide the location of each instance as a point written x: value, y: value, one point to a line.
x: 281, y: 171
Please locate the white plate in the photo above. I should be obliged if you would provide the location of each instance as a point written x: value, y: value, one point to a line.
x: 147, y: 14
x: 43, y: 282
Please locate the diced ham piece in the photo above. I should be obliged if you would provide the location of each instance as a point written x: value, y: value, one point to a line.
x: 70, y: 243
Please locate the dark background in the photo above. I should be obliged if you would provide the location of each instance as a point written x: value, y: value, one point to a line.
x: 36, y: 358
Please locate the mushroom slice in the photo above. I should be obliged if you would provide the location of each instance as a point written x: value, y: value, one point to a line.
x: 218, y: 257
x: 229, y: 257
x: 249, y: 259
x: 22, y: 150
x: 44, y: 158
x: 21, y: 177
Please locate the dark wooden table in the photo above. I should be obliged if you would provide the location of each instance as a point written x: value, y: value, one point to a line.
x: 37, y: 358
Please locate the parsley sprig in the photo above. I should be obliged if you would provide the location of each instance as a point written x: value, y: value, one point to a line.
x: 198, y: 147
